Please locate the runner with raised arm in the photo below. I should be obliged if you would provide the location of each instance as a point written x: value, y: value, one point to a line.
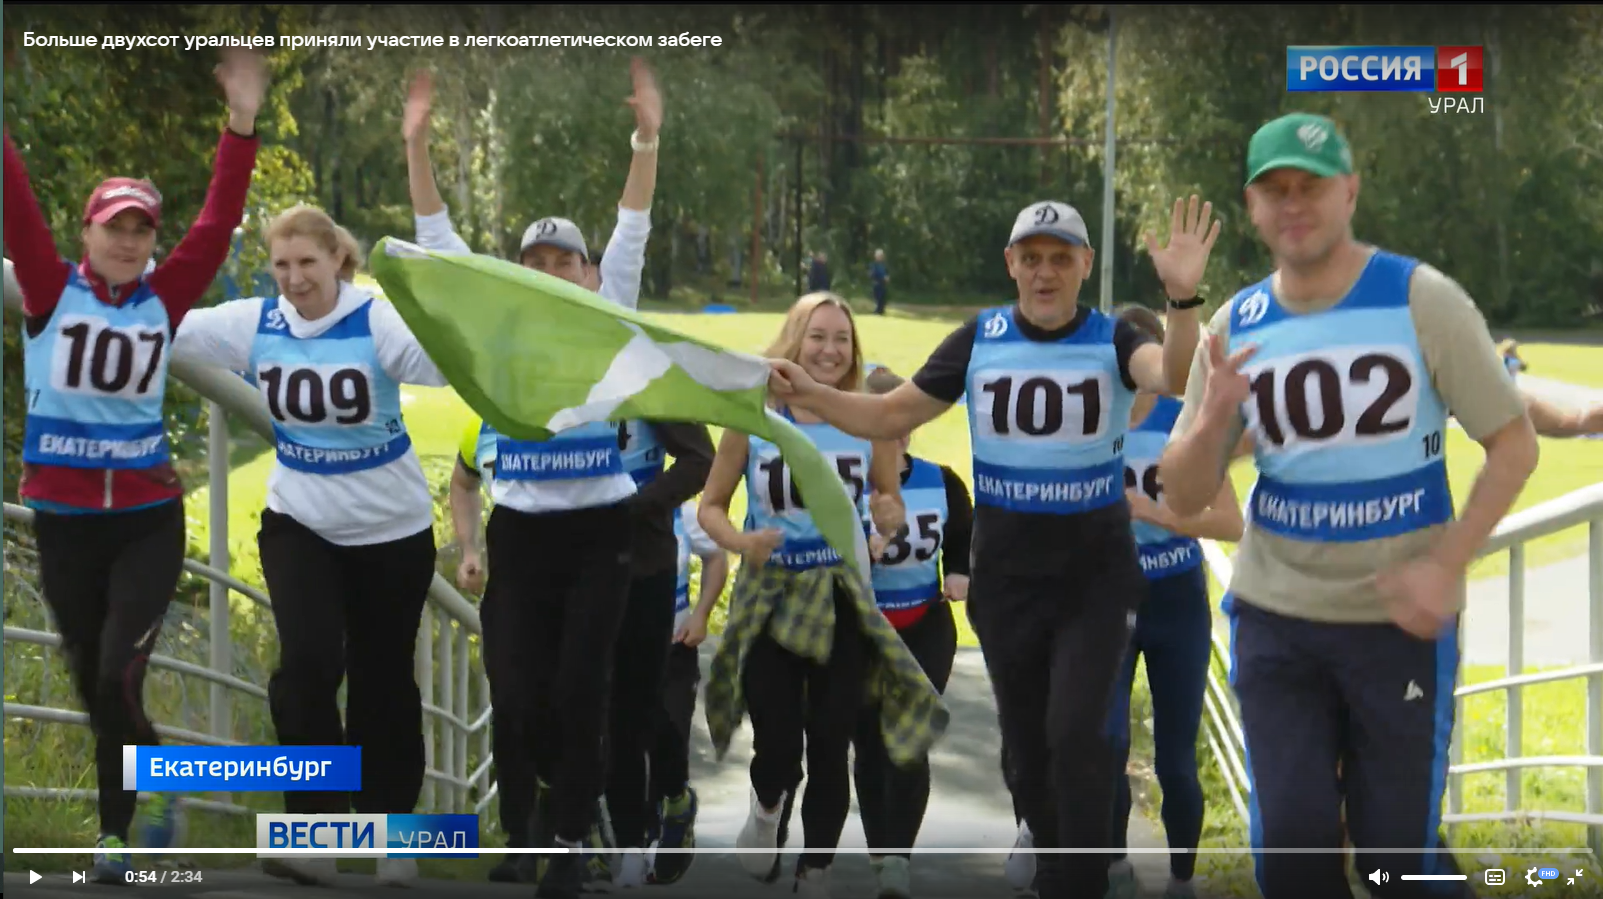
x: 96, y: 467
x: 560, y: 588
x: 1343, y: 365
x: 1056, y: 577
x: 347, y: 538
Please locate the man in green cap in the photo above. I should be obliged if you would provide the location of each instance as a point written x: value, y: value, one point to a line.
x: 1344, y: 365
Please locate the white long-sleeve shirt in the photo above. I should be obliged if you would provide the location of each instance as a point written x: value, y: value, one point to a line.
x: 621, y: 267
x: 358, y: 508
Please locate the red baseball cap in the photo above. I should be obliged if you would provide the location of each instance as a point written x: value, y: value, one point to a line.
x: 117, y: 194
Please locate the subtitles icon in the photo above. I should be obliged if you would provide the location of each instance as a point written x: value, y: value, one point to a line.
x: 1494, y: 877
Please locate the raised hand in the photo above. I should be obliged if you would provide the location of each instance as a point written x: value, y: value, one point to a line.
x: 1180, y: 264
x: 647, y: 100
x: 1227, y: 387
x: 243, y: 77
x: 419, y: 102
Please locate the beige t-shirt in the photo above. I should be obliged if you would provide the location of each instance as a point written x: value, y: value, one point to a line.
x: 1335, y: 581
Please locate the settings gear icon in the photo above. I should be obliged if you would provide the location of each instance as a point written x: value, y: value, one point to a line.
x: 1531, y: 878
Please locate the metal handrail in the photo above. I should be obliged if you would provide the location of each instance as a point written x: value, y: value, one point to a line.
x: 1583, y: 506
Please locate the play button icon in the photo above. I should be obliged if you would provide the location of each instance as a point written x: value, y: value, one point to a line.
x: 33, y: 877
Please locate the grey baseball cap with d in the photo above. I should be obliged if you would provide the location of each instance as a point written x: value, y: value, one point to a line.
x: 555, y: 232
x: 1050, y: 219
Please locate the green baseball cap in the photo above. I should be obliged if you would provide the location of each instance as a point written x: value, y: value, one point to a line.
x: 1299, y: 141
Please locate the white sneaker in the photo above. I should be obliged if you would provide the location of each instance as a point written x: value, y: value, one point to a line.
x: 813, y: 883
x: 396, y: 872
x: 631, y: 870
x: 761, y: 831
x: 1020, y: 867
x: 893, y: 877
x: 316, y: 871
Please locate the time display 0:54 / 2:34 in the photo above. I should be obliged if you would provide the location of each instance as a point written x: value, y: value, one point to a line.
x: 163, y: 876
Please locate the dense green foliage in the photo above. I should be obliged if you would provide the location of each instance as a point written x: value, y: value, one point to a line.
x: 1505, y: 200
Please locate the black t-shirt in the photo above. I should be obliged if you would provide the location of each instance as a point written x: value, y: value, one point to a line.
x: 1035, y: 543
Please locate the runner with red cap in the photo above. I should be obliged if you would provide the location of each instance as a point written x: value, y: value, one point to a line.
x: 108, y: 507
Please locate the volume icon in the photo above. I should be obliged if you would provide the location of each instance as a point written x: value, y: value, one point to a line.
x: 1378, y: 876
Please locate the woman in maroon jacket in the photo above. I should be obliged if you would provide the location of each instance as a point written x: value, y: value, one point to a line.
x: 108, y: 507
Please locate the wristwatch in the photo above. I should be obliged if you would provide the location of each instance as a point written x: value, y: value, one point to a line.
x: 1192, y: 303
x: 640, y: 146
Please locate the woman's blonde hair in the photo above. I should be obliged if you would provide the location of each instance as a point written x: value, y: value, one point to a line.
x: 315, y: 225
x: 794, y: 331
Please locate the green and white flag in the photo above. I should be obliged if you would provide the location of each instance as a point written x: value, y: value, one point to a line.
x: 534, y: 354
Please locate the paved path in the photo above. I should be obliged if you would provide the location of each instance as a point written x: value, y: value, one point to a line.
x: 969, y: 808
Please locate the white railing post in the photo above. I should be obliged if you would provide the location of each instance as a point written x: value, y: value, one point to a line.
x: 460, y: 707
x: 1594, y: 682
x: 444, y: 671
x: 1514, y: 727
x: 221, y: 639
x: 425, y: 685
x: 1455, y: 749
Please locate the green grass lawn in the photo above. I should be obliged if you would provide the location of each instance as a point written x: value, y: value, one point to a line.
x: 1581, y: 365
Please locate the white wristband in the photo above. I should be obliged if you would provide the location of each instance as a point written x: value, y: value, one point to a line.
x: 640, y: 146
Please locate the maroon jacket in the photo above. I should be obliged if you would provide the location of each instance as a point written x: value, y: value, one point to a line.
x: 179, y: 281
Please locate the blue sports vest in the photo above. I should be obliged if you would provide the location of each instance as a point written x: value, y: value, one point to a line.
x: 1348, y: 427
x: 772, y: 500
x: 96, y: 377
x: 681, y: 595
x: 1047, y: 420
x: 643, y: 453
x: 587, y: 452
x: 908, y: 573
x: 1163, y: 552
x: 334, y: 409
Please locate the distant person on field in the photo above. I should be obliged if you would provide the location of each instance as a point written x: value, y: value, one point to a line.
x: 818, y: 273
x: 881, y: 279
x: 1509, y: 350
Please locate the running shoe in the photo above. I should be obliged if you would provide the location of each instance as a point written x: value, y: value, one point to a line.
x: 396, y: 872
x: 677, y: 831
x: 160, y: 823
x: 1179, y: 889
x: 760, y: 832
x: 564, y: 876
x: 894, y: 879
x: 631, y: 869
x: 1121, y: 880
x: 597, y: 865
x: 110, y: 861
x: 812, y: 883
x: 304, y: 871
x: 517, y: 869
x: 1020, y: 867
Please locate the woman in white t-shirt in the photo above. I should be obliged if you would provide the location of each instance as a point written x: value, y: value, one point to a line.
x: 347, y: 538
